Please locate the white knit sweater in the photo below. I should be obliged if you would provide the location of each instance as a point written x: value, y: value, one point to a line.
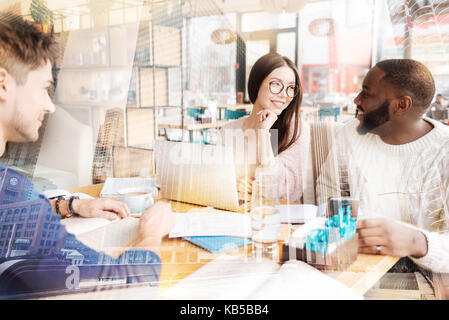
x: 408, y: 182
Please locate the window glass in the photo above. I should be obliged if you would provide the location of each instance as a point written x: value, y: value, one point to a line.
x: 286, y: 44
x: 264, y: 21
x: 210, y: 74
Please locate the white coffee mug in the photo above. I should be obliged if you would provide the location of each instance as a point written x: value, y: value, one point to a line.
x: 137, y: 199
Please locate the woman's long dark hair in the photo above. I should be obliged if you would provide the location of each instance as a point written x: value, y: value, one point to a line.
x: 260, y: 70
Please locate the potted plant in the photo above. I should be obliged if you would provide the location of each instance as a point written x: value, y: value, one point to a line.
x: 42, y: 16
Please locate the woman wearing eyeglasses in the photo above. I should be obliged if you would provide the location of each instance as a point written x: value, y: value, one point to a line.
x: 272, y: 140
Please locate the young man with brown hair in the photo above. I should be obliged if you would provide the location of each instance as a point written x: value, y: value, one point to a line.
x: 28, y: 225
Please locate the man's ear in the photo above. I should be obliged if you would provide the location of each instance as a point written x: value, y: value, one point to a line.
x: 3, y: 83
x: 403, y: 105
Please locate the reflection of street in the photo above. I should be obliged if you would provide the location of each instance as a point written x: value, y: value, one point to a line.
x: 38, y: 255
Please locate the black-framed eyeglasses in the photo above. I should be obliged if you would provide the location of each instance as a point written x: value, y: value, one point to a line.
x: 276, y: 87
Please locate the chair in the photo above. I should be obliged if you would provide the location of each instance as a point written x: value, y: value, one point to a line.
x: 329, y: 112
x: 323, y: 136
x: 195, y: 113
x: 173, y: 134
x: 66, y: 152
x: 234, y: 114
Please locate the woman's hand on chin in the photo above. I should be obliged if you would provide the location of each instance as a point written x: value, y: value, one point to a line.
x: 266, y: 119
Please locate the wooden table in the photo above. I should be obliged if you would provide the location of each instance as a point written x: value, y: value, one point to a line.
x: 191, y: 127
x: 180, y: 258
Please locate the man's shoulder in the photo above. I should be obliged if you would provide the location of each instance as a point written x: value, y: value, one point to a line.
x: 348, y: 130
x: 440, y: 130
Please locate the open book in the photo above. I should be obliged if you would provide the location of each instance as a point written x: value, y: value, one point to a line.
x: 110, y: 237
x: 238, y: 278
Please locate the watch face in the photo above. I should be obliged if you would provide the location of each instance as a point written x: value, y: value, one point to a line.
x: 13, y: 181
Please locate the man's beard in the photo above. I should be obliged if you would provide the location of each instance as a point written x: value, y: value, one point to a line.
x: 22, y: 133
x: 374, y: 119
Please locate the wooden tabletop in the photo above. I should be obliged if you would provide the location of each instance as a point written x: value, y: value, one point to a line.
x: 180, y: 258
x: 236, y: 107
x: 194, y: 126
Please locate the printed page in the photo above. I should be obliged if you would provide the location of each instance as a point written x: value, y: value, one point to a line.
x: 297, y: 280
x: 112, y: 238
x: 211, y: 224
x: 78, y: 225
x: 225, y: 278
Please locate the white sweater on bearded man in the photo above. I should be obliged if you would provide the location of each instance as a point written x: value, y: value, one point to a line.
x: 408, y: 182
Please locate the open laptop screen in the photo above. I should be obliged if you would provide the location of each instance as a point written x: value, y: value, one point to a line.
x: 197, y: 173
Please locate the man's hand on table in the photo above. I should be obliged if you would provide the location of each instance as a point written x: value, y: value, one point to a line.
x: 155, y: 223
x: 395, y: 238
x: 101, y: 208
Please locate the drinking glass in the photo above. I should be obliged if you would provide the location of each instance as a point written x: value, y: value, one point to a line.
x: 265, y: 218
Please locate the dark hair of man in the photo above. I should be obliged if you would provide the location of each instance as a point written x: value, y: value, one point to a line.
x: 23, y: 47
x: 411, y: 78
x: 260, y: 70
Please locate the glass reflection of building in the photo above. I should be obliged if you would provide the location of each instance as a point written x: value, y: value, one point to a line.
x: 33, y: 239
x: 27, y: 223
x: 24, y: 232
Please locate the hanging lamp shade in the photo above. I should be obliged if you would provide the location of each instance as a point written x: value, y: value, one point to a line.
x: 280, y: 6
x: 323, y: 27
x: 223, y: 36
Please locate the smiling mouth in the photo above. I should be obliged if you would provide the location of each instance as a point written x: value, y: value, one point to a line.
x: 278, y: 104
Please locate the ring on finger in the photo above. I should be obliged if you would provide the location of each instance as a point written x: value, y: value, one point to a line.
x: 378, y: 249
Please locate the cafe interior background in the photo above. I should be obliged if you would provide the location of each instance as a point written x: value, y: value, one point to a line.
x: 131, y: 71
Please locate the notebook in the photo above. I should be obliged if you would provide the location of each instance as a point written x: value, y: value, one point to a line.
x: 216, y: 244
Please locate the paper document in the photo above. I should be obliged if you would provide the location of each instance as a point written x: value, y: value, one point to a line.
x: 113, y: 185
x: 211, y: 224
x: 225, y: 278
x: 111, y: 237
x: 300, y: 213
x: 296, y: 280
x: 238, y: 278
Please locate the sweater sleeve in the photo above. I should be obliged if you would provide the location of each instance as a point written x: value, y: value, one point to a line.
x: 437, y: 257
x: 289, y: 167
x: 436, y: 226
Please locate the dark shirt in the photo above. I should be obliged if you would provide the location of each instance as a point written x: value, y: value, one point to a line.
x: 39, y: 257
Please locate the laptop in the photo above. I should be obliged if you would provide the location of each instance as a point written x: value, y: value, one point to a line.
x: 198, y: 174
